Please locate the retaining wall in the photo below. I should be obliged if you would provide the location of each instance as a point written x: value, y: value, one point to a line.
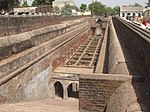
x: 10, y: 25
x: 136, y: 49
x: 96, y: 89
x: 116, y: 60
x: 26, y: 75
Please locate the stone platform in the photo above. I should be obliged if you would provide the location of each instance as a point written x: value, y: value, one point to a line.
x: 46, y: 105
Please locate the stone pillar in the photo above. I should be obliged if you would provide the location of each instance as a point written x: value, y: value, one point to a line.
x: 74, y: 87
x: 65, y: 93
x: 53, y: 92
x: 77, y: 87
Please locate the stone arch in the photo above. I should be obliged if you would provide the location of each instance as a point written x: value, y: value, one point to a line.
x: 70, y: 82
x: 59, y: 89
x: 72, y: 90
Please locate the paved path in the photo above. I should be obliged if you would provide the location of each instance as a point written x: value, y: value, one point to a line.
x: 46, y: 105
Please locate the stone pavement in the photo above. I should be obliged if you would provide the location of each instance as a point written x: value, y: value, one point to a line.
x: 46, y: 105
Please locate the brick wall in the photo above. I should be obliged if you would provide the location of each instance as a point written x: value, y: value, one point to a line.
x: 25, y: 75
x: 18, y: 24
x: 14, y: 44
x: 96, y: 89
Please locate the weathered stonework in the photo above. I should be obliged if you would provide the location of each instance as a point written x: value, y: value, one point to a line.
x: 28, y: 70
x: 136, y: 47
x: 96, y: 89
x: 10, y: 25
x: 25, y: 75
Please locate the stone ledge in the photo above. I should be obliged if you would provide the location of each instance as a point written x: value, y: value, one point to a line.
x: 98, y: 76
x: 14, y: 44
x: 116, y: 61
x: 8, y: 70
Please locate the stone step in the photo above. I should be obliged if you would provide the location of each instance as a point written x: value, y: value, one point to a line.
x: 46, y: 105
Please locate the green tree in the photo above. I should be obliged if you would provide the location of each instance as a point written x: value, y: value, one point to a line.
x: 117, y: 9
x: 16, y: 2
x: 67, y: 9
x: 83, y: 7
x: 148, y: 4
x: 56, y: 9
x: 42, y: 2
x: 110, y: 11
x: 97, y: 8
x: 8, y: 5
x: 25, y: 4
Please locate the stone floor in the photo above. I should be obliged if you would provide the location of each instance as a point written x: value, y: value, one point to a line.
x: 46, y: 105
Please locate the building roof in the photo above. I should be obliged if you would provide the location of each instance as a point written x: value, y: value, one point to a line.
x: 63, y: 1
x: 147, y: 9
x: 131, y: 9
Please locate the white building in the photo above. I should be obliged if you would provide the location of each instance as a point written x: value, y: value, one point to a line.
x: 61, y: 3
x: 131, y: 11
x: 28, y: 1
x: 147, y: 12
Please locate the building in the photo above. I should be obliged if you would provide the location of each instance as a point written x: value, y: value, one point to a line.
x: 147, y: 12
x: 28, y: 1
x: 61, y: 3
x: 131, y: 11
x: 85, y: 13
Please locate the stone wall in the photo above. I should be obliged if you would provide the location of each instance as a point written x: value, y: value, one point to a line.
x: 129, y: 97
x: 14, y: 44
x: 136, y: 49
x: 26, y: 75
x: 96, y: 89
x: 18, y: 24
x: 111, y: 59
x: 116, y: 60
x: 118, y: 91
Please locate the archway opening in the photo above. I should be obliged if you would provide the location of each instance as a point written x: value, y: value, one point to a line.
x: 73, y: 90
x: 59, y: 89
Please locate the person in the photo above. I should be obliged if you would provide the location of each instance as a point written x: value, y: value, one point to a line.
x: 144, y: 22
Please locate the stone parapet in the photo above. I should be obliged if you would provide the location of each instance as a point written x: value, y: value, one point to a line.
x: 96, y: 89
x: 10, y: 25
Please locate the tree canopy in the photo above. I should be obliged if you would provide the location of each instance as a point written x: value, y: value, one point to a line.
x: 83, y: 7
x: 67, y: 9
x: 110, y: 11
x: 148, y: 4
x: 56, y: 9
x: 117, y: 9
x: 25, y: 4
x: 97, y: 8
x: 7, y: 5
x: 42, y: 2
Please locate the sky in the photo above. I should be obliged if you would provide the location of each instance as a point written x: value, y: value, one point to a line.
x: 113, y: 3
